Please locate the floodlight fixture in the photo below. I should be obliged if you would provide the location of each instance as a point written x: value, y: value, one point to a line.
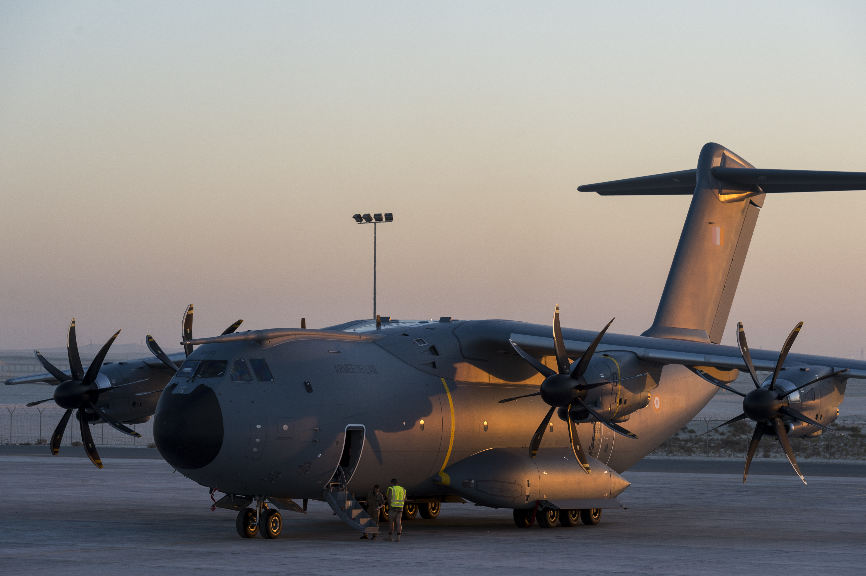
x: 376, y: 218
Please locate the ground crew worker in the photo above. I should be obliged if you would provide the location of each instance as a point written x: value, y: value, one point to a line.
x: 375, y: 502
x: 396, y: 499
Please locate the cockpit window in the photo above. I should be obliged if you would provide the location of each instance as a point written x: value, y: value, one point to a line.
x: 211, y: 369
x: 240, y: 372
x: 260, y: 367
x: 187, y: 369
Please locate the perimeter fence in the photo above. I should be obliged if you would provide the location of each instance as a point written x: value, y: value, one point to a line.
x: 20, y: 424
x: 34, y: 425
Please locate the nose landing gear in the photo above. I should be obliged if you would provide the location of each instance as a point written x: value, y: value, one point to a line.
x: 251, y: 521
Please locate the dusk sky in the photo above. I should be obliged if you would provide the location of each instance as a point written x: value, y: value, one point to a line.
x: 154, y: 154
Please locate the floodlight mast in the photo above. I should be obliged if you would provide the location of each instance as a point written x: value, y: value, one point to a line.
x: 374, y: 219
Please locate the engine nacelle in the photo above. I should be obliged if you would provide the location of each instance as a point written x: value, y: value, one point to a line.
x: 819, y: 401
x: 510, y: 478
x: 627, y: 392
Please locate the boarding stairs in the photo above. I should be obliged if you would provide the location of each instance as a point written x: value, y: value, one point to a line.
x: 346, y: 508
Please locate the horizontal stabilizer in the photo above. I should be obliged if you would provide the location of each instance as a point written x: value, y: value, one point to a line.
x: 755, y: 179
x: 773, y: 181
x: 682, y: 182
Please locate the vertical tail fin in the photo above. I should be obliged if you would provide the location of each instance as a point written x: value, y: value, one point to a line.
x: 728, y: 193
x: 718, y: 229
x: 710, y: 255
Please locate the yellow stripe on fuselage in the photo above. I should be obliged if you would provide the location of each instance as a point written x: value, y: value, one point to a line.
x: 443, y: 477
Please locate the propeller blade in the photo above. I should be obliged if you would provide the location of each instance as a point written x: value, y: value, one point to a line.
x: 57, y: 436
x: 797, y: 415
x: 72, y: 352
x: 38, y: 402
x: 753, y: 447
x: 784, y: 353
x: 747, y: 356
x: 539, y: 433
x: 59, y: 375
x: 94, y: 367
x: 818, y: 379
x: 615, y: 427
x: 186, y: 330
x: 575, y: 443
x: 544, y: 370
x: 87, y: 440
x: 582, y: 364
x: 231, y: 329
x: 731, y: 421
x: 595, y: 385
x: 714, y: 381
x: 114, y: 423
x: 504, y: 400
x: 782, y: 435
x: 562, y: 362
x: 157, y: 351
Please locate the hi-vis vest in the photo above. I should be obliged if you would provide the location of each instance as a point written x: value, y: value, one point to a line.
x: 396, y: 496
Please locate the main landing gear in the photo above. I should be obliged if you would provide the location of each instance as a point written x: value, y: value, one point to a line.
x: 550, y: 517
x: 268, y: 521
x: 429, y: 510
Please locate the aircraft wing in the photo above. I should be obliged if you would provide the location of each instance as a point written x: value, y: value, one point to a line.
x: 33, y: 379
x: 692, y: 354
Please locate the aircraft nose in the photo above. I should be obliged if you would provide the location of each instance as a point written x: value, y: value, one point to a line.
x: 188, y: 426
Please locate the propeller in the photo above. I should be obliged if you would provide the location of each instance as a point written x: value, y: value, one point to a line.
x: 767, y: 405
x: 186, y: 336
x: 79, y: 392
x: 565, y: 388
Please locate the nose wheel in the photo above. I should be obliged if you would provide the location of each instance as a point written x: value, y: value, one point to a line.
x: 269, y: 523
x: 246, y: 523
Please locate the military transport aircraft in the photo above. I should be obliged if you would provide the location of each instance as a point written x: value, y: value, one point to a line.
x: 463, y: 410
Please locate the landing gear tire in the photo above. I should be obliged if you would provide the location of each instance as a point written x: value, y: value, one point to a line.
x: 590, y: 516
x: 569, y: 518
x: 430, y: 510
x: 548, y: 518
x: 246, y: 524
x: 523, y: 518
x: 272, y: 526
x: 410, y: 511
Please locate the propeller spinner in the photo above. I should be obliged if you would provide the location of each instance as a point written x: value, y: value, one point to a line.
x: 566, y: 388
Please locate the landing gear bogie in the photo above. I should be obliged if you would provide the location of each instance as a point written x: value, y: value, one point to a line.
x: 550, y: 517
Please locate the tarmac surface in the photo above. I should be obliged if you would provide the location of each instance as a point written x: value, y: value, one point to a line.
x: 59, y: 515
